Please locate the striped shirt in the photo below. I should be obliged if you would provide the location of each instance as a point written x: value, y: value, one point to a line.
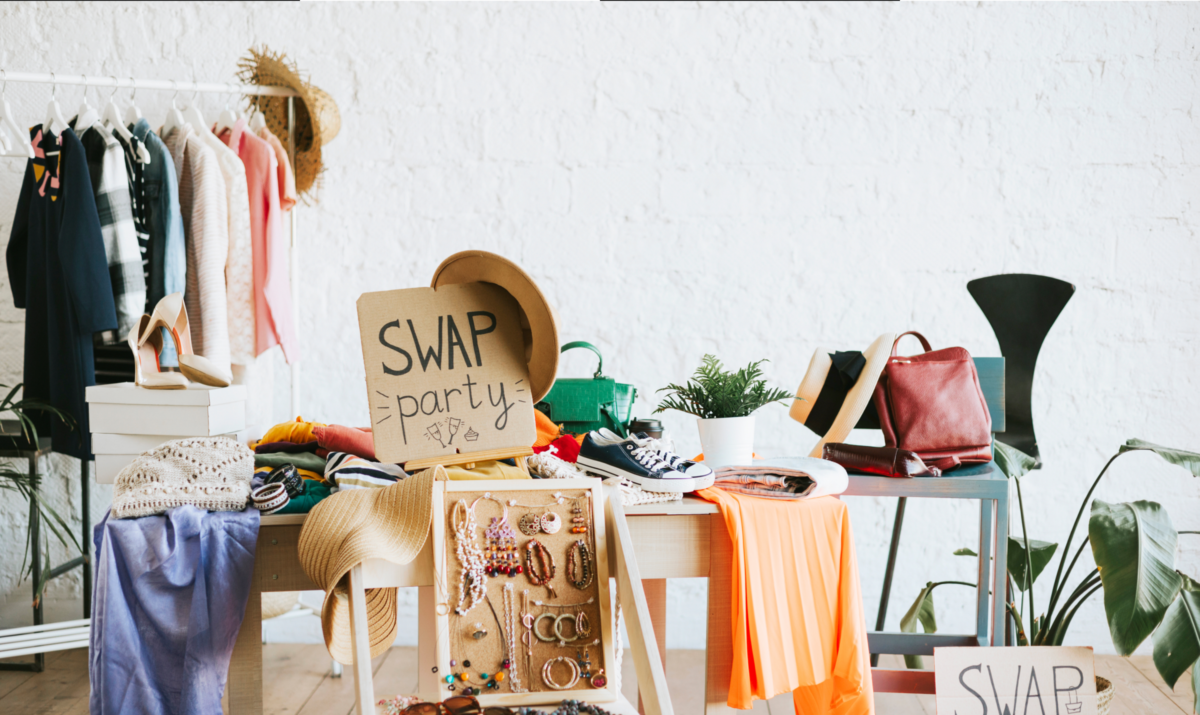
x: 349, y: 471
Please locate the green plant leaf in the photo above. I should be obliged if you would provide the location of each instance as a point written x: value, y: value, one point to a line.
x: 1040, y: 553
x: 920, y: 611
x: 712, y: 392
x: 1012, y: 461
x: 1188, y: 460
x: 964, y: 551
x: 1134, y: 548
x: 1177, y: 640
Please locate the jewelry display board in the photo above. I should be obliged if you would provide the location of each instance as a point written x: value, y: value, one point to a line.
x: 522, y: 591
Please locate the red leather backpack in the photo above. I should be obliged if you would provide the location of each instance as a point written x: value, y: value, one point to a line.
x: 932, y: 404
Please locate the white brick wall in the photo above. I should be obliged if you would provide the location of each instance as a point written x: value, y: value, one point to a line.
x: 752, y: 180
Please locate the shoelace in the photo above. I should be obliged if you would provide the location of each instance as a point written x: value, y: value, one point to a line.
x: 663, y: 450
x: 650, y: 459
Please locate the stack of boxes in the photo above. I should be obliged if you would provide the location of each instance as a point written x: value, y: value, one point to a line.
x: 127, y: 420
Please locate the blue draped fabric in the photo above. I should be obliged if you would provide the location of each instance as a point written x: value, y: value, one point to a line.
x: 170, y: 594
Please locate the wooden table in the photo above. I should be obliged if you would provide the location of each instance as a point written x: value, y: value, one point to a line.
x: 684, y: 539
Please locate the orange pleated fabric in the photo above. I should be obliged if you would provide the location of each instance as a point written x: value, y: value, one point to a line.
x: 798, y: 620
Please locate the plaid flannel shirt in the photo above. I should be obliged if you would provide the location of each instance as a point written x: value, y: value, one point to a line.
x: 110, y: 183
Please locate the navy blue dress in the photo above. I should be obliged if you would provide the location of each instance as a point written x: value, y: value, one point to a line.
x: 59, y: 275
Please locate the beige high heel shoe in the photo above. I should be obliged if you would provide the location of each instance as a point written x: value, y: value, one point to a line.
x: 171, y: 313
x: 145, y: 357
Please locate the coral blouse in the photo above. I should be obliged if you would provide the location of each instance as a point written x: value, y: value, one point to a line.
x: 272, y: 284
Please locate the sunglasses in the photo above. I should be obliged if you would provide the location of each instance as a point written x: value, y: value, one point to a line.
x: 457, y: 705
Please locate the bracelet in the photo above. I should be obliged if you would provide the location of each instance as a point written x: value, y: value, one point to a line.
x: 287, y: 475
x: 270, y: 498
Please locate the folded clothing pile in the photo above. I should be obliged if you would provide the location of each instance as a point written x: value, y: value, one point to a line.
x: 784, y: 478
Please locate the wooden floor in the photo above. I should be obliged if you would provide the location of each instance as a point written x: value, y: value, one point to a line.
x: 299, y: 684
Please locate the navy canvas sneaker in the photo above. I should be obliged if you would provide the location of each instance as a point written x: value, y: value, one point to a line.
x: 613, y: 456
x: 666, y: 452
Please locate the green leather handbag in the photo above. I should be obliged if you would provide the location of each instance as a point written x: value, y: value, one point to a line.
x: 582, y: 404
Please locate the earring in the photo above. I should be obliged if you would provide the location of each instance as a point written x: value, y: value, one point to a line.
x: 530, y: 524
x: 551, y: 523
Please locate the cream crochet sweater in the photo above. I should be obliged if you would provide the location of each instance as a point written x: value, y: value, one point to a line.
x: 208, y: 472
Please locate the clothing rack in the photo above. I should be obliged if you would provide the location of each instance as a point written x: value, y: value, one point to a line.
x: 42, y: 638
x: 53, y: 78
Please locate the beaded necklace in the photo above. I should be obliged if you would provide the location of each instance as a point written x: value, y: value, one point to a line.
x: 474, y: 565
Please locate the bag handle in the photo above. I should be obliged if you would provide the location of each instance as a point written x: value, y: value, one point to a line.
x: 600, y: 358
x: 924, y: 342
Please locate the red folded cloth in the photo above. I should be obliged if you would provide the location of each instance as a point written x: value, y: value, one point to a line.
x: 337, y: 438
x: 565, y: 448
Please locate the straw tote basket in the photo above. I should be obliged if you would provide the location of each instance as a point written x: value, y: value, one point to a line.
x: 317, y: 118
x: 1104, y: 695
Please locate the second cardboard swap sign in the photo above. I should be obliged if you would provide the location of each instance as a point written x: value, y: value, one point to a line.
x: 446, y: 371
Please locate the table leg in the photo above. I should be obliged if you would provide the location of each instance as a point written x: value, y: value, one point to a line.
x: 428, y: 685
x: 35, y: 536
x: 246, y: 664
x: 360, y: 643
x: 656, y: 601
x: 719, y: 648
x: 87, y: 469
x: 983, y: 602
x: 1000, y: 568
x: 886, y: 594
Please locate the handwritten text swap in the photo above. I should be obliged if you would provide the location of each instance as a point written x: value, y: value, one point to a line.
x: 446, y: 371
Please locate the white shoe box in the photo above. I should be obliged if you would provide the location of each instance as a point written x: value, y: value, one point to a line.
x: 198, y: 411
x: 127, y: 420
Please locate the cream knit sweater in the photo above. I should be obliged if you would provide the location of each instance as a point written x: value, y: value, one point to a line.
x: 208, y: 472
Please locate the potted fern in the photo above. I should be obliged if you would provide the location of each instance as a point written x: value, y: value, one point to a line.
x: 724, y: 402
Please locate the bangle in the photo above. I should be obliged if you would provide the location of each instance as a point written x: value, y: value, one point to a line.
x: 287, y: 475
x: 270, y: 498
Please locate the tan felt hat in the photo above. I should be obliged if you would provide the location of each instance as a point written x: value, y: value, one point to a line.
x: 350, y: 527
x: 837, y: 389
x: 539, y: 322
x: 317, y: 118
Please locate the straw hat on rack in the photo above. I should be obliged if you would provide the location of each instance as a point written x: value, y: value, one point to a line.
x: 317, y: 117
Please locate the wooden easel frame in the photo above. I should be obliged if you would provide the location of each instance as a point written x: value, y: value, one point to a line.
x: 652, y: 681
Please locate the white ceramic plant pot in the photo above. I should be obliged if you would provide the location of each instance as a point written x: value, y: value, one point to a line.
x: 727, y: 441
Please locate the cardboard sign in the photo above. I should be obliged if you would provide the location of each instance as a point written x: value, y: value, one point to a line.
x: 1037, y: 680
x: 446, y: 371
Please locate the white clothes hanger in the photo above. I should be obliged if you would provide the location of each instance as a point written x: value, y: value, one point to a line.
x: 192, y: 114
x: 7, y: 122
x: 174, y: 116
x: 112, y: 117
x: 54, y: 114
x: 87, y: 114
x: 257, y: 121
x: 227, y: 119
x: 133, y: 114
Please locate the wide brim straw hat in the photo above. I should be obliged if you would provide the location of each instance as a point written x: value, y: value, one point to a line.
x: 317, y: 118
x: 347, y: 528
x: 539, y: 322
x: 837, y: 389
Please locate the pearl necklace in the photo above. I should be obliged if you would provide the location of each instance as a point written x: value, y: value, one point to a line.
x: 474, y: 565
x: 510, y: 635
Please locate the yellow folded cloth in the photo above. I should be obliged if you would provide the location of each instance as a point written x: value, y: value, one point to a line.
x: 486, y: 470
x: 298, y: 432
